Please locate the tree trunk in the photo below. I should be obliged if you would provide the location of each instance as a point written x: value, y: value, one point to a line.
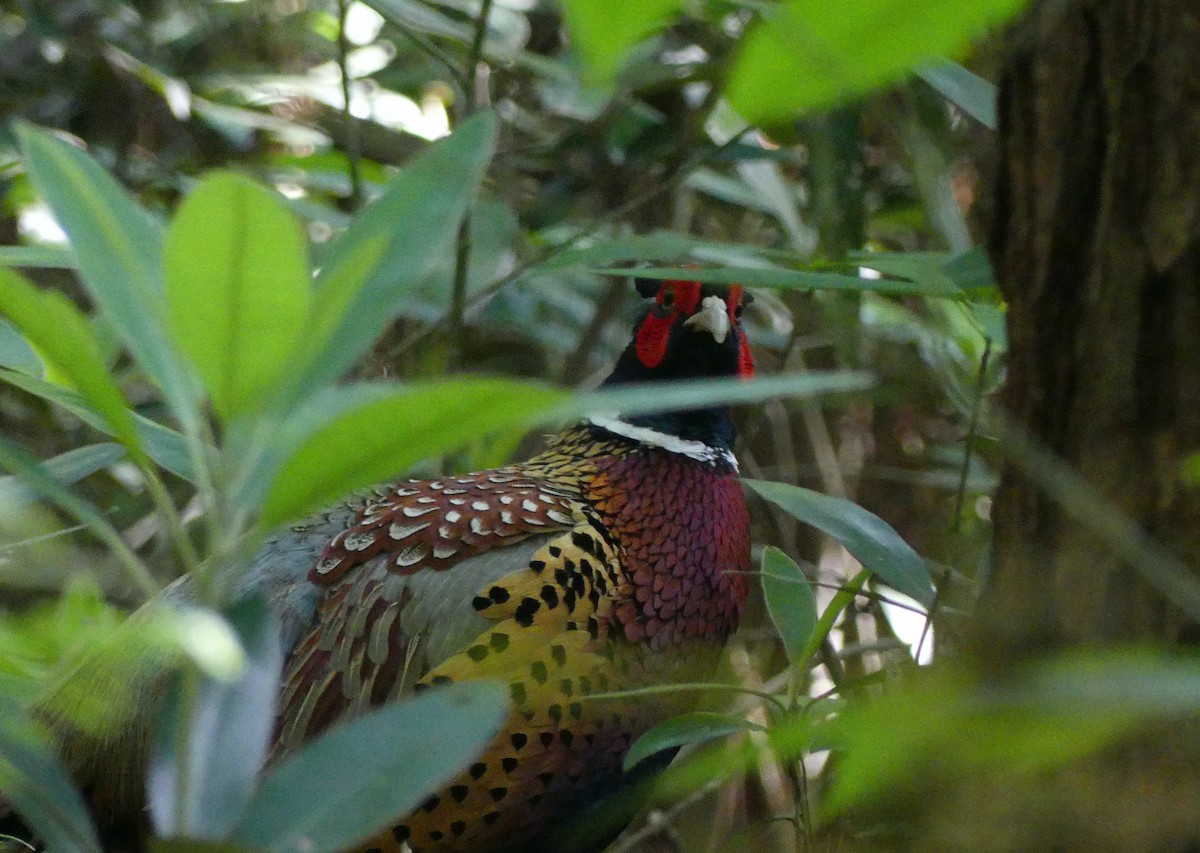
x: 1096, y: 244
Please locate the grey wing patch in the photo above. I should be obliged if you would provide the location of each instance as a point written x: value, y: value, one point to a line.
x: 379, y: 632
x: 280, y: 570
x: 441, y: 610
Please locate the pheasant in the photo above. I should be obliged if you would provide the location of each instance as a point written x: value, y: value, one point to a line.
x: 614, y: 559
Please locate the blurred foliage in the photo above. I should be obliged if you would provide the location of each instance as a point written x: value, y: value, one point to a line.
x: 263, y: 339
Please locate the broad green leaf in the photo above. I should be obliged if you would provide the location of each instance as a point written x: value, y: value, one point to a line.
x: 603, y: 34
x: 869, y: 538
x: 237, y: 286
x: 63, y: 338
x: 684, y: 730
x: 389, y: 250
x: 162, y: 444
x: 974, y: 95
x: 38, y: 786
x: 51, y: 257
x: 784, y: 279
x: 972, y: 271
x: 230, y: 723
x: 382, y: 436
x: 261, y: 451
x: 810, y: 54
x: 66, y: 468
x: 118, y: 246
x: 363, y: 775
x: 790, y: 602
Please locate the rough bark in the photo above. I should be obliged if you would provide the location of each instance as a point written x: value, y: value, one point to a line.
x: 1096, y: 244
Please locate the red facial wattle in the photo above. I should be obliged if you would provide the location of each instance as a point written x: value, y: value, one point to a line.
x: 745, y: 357
x: 673, y: 298
x: 676, y: 298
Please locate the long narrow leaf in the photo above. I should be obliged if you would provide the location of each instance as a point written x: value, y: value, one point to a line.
x: 230, y: 730
x: 119, y: 249
x: 976, y: 96
x: 869, y: 538
x: 162, y: 444
x: 63, y: 337
x: 644, y: 398
x: 790, y: 602
x: 685, y: 730
x: 390, y: 248
x: 66, y: 468
x: 36, y: 783
x: 781, y: 279
x: 379, y: 438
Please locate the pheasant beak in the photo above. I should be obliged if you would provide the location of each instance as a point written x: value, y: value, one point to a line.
x: 713, y: 317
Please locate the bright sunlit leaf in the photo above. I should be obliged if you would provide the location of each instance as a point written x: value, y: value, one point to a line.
x: 64, y: 340
x: 810, y: 54
x: 238, y: 289
x: 378, y: 438
x: 604, y: 33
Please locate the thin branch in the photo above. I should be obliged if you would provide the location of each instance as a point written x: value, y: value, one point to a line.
x: 430, y: 49
x: 353, y: 152
x: 971, y: 430
x: 462, y: 247
x: 554, y: 251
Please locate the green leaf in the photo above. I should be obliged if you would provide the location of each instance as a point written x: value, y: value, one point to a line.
x: 650, y: 397
x: 16, y: 353
x: 35, y: 782
x: 1189, y: 470
x: 784, y: 279
x: 361, y: 776
x: 237, y: 286
x: 389, y: 249
x: 951, y: 725
x: 230, y: 727
x: 842, y: 599
x: 119, y: 249
x: 604, y: 34
x: 809, y: 54
x: 390, y: 430
x: 974, y: 95
x: 48, y: 257
x: 66, y: 468
x: 684, y: 730
x: 162, y: 444
x: 63, y: 337
x: 869, y: 538
x: 790, y: 602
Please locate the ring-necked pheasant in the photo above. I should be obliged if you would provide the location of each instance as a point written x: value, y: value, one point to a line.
x: 614, y: 559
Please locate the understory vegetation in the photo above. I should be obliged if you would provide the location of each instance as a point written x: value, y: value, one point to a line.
x: 256, y: 256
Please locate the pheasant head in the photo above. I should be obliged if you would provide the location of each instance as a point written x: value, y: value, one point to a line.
x: 687, y: 331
